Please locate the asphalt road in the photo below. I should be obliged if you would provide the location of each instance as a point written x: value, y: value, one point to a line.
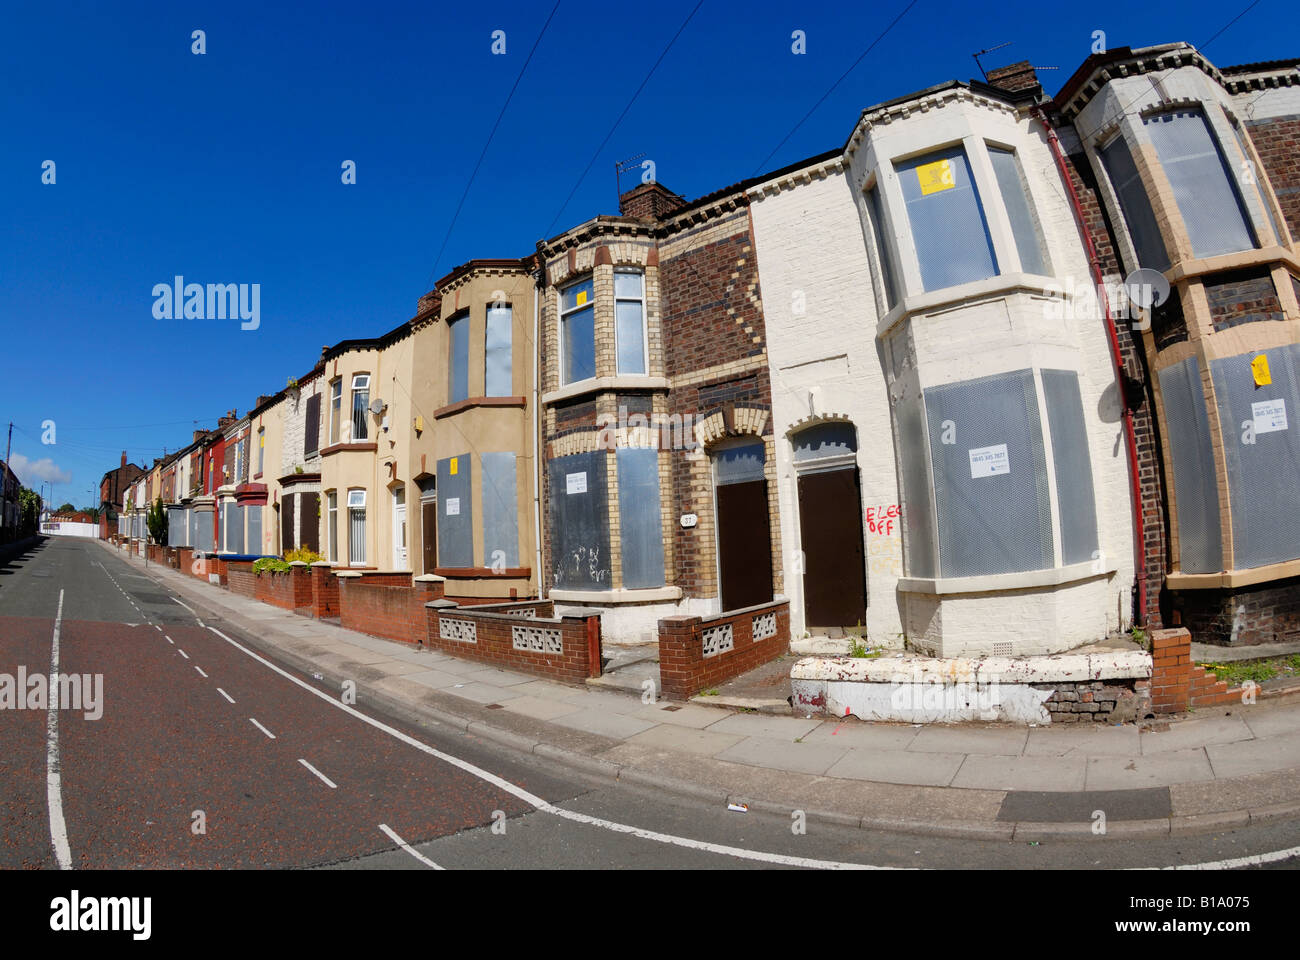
x: 208, y: 755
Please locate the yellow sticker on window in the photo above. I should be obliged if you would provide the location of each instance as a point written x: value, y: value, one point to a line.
x: 1259, y: 367
x: 455, y: 465
x: 581, y: 297
x: 936, y: 176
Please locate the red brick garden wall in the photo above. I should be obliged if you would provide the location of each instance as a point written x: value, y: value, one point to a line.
x: 685, y: 670
x: 491, y: 638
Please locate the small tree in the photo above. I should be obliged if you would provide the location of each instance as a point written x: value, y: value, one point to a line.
x: 156, y: 519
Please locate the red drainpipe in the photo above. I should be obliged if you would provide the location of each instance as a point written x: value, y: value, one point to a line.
x: 1139, y: 527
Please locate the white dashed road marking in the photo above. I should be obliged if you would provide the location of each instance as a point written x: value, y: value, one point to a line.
x: 328, y: 782
x: 262, y: 728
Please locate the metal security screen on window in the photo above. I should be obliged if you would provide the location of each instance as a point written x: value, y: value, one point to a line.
x: 1203, y: 185
x: 990, y: 481
x: 1072, y: 464
x: 914, y: 465
x: 949, y: 232
x: 496, y: 372
x: 360, y: 406
x: 1200, y: 544
x: 458, y: 331
x: 1135, y: 205
x: 357, y: 528
x: 1015, y: 197
x: 629, y: 320
x: 883, y: 252
x: 1262, y: 452
x: 825, y: 440
x: 500, y: 510
x: 577, y: 333
x: 579, y: 522
x: 641, y: 536
x: 336, y: 410
x: 455, y: 512
x: 253, y: 517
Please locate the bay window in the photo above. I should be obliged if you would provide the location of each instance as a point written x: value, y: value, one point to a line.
x: 458, y: 359
x: 360, y: 405
x: 336, y: 408
x: 577, y: 333
x: 498, y: 380
x: 629, y: 321
x: 949, y: 231
x: 1015, y: 198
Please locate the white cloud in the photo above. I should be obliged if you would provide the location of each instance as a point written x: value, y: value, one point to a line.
x: 32, y: 472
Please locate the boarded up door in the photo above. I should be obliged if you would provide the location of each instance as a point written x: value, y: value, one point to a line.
x: 429, y: 533
x: 744, y: 534
x: 287, y: 528
x: 830, y: 525
x: 310, y: 522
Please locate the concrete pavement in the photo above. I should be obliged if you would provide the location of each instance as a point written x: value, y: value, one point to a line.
x: 1229, y: 768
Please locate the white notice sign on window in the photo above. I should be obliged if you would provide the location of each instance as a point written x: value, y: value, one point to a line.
x: 575, y: 483
x: 989, y: 461
x: 1270, y: 415
x: 453, y: 506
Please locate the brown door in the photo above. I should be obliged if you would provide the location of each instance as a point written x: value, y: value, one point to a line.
x: 429, y: 533
x: 830, y: 525
x: 287, y: 541
x: 310, y: 521
x: 744, y: 544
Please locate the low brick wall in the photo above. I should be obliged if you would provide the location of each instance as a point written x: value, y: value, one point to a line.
x: 241, y: 579
x: 1098, y: 701
x: 288, y: 590
x: 696, y: 653
x: 324, y: 592
x: 374, y: 604
x: 1178, y: 684
x: 558, y: 648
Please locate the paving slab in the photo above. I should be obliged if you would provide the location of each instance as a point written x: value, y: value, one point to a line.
x: 866, y: 736
x: 606, y: 724
x: 1063, y: 774
x: 480, y: 692
x: 1128, y: 773
x: 783, y: 754
x: 763, y: 725
x: 434, y: 679
x: 680, y: 715
x: 1271, y: 721
x: 1261, y: 789
x: 666, y: 736
x: 501, y: 678
x: 1195, y: 733
x: 899, y: 766
x: 1086, y: 739
x: 963, y: 738
x: 1254, y: 756
x: 539, y: 708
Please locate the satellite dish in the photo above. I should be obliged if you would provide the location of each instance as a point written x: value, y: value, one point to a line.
x: 377, y: 406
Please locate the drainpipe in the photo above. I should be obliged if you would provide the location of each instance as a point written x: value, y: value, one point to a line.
x: 537, y: 442
x: 1139, y: 528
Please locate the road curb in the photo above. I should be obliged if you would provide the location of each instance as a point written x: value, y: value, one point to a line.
x: 1007, y: 831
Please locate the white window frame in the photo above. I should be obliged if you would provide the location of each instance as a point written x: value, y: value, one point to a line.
x: 336, y: 409
x: 399, y: 531
x: 645, y: 321
x: 261, y: 450
x: 565, y: 313
x: 360, y: 382
x: 357, y: 502
x: 332, y: 525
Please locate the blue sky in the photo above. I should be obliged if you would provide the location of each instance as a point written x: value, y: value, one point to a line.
x: 226, y: 167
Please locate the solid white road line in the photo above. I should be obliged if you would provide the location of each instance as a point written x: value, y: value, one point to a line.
x: 53, y: 776
x: 262, y: 728
x: 328, y: 782
x: 169, y: 639
x: 392, y: 835
x: 191, y: 610
x: 182, y: 653
x: 1236, y: 863
x: 200, y: 670
x: 226, y: 695
x: 542, y: 805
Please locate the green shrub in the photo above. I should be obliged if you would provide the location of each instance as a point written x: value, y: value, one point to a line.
x: 274, y: 564
x: 303, y: 555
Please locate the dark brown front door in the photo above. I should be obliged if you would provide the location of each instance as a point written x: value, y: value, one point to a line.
x: 429, y: 533
x: 310, y: 521
x: 830, y: 524
x: 744, y: 544
x: 287, y: 541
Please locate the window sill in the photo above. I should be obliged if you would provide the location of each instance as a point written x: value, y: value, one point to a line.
x: 959, y: 295
x: 473, y: 402
x: 1003, y: 582
x: 602, y: 384
x: 486, y: 573
x: 357, y: 446
x: 648, y: 595
x: 1228, y: 579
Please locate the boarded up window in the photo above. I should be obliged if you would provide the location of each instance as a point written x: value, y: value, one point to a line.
x: 1072, y: 464
x: 1135, y: 205
x: 311, y: 426
x: 458, y: 362
x: 455, y: 512
x: 500, y: 510
x: 949, y: 231
x: 1262, y: 451
x: 990, y: 477
x: 254, y: 541
x: 1187, y: 426
x: 641, y: 536
x: 579, y: 522
x: 497, y: 379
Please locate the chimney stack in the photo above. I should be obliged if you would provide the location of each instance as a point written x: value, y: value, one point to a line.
x: 124, y: 458
x: 649, y: 201
x: 1014, y: 77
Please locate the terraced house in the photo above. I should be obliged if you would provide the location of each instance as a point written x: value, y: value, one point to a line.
x: 909, y: 383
